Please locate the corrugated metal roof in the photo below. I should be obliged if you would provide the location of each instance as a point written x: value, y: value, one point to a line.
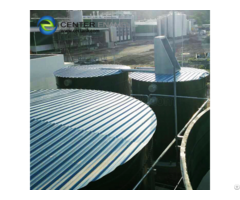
x: 79, y: 136
x: 87, y: 71
x: 100, y: 66
x: 185, y: 74
x: 73, y: 72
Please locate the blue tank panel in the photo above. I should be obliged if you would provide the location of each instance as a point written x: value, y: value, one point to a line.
x: 185, y: 74
x: 79, y: 136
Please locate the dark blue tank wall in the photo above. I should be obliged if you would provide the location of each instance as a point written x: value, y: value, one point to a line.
x: 164, y: 110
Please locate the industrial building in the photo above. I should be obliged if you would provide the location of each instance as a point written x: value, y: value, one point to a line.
x: 42, y: 68
x: 146, y: 28
x: 106, y: 31
x: 163, y: 25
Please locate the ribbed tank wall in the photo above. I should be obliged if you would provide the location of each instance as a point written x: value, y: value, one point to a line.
x: 189, y: 26
x: 94, y: 77
x: 164, y: 109
x: 180, y: 25
x: 159, y: 25
x: 126, y: 176
x: 164, y: 26
x: 185, y: 25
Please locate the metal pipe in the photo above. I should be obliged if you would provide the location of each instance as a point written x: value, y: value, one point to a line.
x: 193, y: 117
x: 174, y: 35
x: 182, y: 40
x: 163, y: 95
x: 186, y: 97
x: 141, y: 95
x: 175, y: 89
x: 168, y: 147
x: 178, y: 183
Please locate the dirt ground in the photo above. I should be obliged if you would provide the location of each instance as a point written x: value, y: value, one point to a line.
x: 131, y: 53
x: 140, y: 53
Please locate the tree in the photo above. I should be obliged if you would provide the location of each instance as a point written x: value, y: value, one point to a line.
x: 201, y: 16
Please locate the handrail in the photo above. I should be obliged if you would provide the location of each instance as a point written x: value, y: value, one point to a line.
x: 172, y: 142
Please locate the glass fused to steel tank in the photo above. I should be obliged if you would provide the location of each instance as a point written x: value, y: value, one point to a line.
x: 89, y: 139
x: 189, y: 82
x: 195, y: 153
x: 94, y: 77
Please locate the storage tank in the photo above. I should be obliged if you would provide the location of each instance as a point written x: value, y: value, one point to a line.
x: 94, y: 77
x: 189, y: 27
x: 159, y: 31
x: 195, y: 153
x: 189, y: 82
x: 89, y: 139
x: 180, y: 25
x: 185, y: 24
x: 76, y: 16
x: 164, y: 26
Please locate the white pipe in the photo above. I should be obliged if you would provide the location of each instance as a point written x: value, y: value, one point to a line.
x: 175, y: 88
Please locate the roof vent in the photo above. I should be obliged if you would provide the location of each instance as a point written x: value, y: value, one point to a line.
x: 163, y: 56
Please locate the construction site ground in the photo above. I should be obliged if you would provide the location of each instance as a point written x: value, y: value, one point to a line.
x: 140, y: 53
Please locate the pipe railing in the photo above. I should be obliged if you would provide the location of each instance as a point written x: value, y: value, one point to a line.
x: 142, y: 95
x: 193, y: 117
x: 178, y: 183
x: 170, y: 145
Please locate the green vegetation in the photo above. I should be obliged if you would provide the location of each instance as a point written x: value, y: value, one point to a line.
x: 201, y: 16
x: 200, y: 60
x: 193, y: 60
x: 203, y: 62
x: 207, y: 39
x: 208, y: 70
